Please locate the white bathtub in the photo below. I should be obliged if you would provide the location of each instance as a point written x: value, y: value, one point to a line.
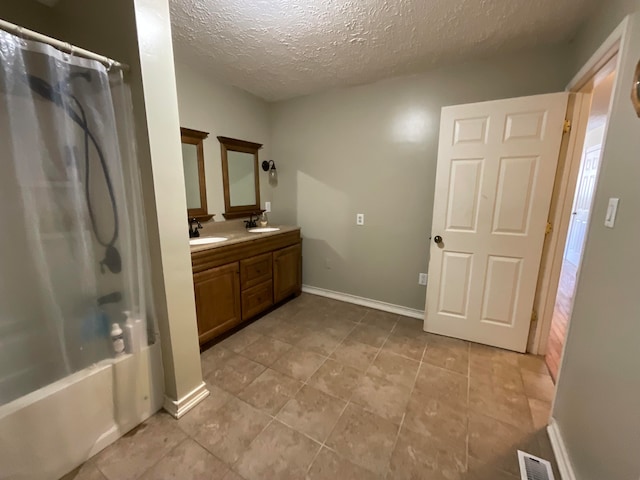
x: 49, y: 432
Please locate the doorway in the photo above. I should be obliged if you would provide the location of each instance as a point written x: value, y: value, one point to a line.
x: 600, y: 88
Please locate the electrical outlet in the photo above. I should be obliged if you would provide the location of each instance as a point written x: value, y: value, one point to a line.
x: 267, y: 206
x: 359, y: 218
x: 422, y: 279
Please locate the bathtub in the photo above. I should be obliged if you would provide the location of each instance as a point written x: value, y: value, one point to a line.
x: 49, y: 432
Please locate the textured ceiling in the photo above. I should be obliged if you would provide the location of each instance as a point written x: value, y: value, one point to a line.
x: 278, y: 49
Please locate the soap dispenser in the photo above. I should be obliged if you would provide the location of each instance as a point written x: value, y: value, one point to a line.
x: 264, y: 221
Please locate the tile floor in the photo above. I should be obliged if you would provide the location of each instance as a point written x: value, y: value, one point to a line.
x: 320, y: 389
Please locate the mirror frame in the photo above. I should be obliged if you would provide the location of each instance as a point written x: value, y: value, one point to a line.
x: 236, y: 145
x: 196, y: 137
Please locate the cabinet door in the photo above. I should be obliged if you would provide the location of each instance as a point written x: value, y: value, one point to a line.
x: 217, y: 292
x: 287, y: 272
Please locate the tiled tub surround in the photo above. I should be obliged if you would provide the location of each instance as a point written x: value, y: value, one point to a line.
x: 320, y: 389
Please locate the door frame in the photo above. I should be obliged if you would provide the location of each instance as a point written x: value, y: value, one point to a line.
x: 565, y: 187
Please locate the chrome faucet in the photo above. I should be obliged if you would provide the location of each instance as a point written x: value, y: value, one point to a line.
x: 193, y: 230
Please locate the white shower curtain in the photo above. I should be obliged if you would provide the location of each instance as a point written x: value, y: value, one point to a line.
x: 72, y: 237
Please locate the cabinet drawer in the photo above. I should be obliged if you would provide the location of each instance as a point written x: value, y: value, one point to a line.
x: 255, y: 270
x: 257, y: 299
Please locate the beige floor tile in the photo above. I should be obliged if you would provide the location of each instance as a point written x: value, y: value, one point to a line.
x: 494, y: 443
x: 266, y: 350
x: 368, y: 334
x: 438, y: 418
x: 533, y: 363
x: 138, y: 450
x: 395, y: 368
x: 441, y: 384
x: 290, y: 332
x: 270, y: 391
x: 449, y: 353
x: 229, y: 431
x: 538, y: 386
x: 194, y: 418
x: 507, y: 405
x: 405, y: 345
x: 299, y: 364
x: 481, y: 470
x: 382, y: 397
x: 213, y: 358
x: 354, y: 354
x: 348, y: 312
x: 279, y: 452
x: 336, y: 379
x: 231, y: 475
x: 235, y: 373
x: 87, y: 471
x: 319, y: 342
x: 312, y: 412
x: 409, y: 326
x: 496, y: 375
x: 363, y: 438
x: 338, y: 329
x: 240, y: 340
x: 484, y: 355
x: 329, y: 466
x: 187, y: 461
x: 270, y: 324
x: 383, y: 320
x: 422, y: 457
x: 540, y: 413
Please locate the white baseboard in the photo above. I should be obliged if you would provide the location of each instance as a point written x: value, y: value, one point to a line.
x: 178, y: 408
x: 365, y: 302
x: 560, y: 451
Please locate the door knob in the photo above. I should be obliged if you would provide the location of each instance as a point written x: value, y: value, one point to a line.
x: 437, y: 239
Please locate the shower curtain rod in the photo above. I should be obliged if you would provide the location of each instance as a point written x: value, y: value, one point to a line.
x: 65, y: 47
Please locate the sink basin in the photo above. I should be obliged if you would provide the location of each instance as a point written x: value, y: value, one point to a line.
x: 263, y: 230
x: 206, y: 240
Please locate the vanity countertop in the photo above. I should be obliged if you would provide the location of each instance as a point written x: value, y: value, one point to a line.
x: 237, y: 235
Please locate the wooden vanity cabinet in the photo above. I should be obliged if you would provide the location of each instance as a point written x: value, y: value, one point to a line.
x: 287, y: 272
x: 218, y: 308
x: 236, y: 282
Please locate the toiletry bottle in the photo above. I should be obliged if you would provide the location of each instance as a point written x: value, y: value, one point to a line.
x: 131, y: 335
x: 117, y: 338
x: 264, y: 220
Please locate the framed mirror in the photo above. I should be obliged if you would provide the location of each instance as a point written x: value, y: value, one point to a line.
x: 240, y: 177
x: 194, y: 179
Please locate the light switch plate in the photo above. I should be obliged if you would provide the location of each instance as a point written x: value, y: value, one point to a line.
x: 612, y: 210
x: 267, y: 206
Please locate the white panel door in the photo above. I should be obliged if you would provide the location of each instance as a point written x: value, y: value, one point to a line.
x: 496, y: 167
x: 582, y: 204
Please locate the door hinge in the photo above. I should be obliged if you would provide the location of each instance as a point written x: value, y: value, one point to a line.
x: 566, y: 128
x: 534, y: 316
x: 548, y: 229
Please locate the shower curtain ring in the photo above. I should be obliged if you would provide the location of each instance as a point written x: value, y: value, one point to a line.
x: 20, y: 32
x: 68, y: 48
x: 109, y: 64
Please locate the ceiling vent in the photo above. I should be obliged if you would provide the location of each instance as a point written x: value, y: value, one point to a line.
x: 534, y: 468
